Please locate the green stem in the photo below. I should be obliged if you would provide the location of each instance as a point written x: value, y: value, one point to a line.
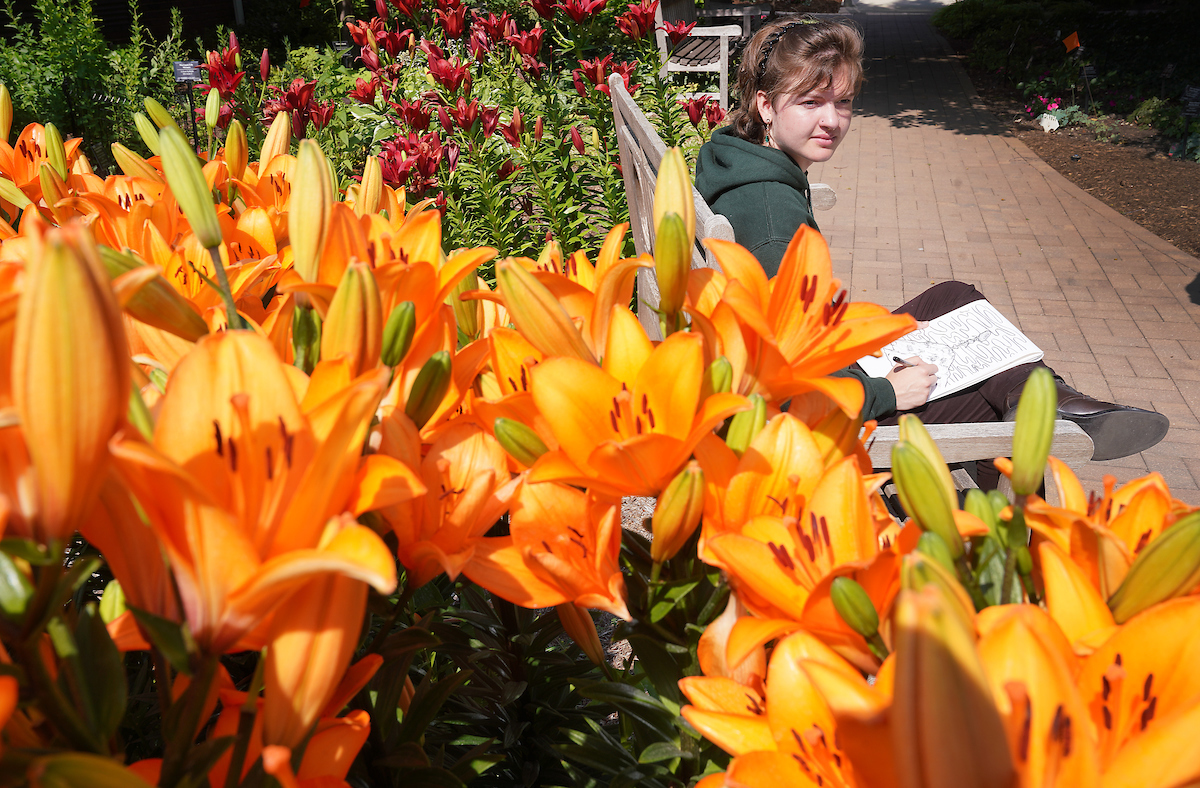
x: 401, y: 605
x: 232, y: 318
x: 877, y: 646
x: 179, y: 745
x: 967, y: 578
x: 246, y: 717
x: 51, y: 700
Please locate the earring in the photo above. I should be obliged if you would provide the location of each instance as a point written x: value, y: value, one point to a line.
x: 767, y: 134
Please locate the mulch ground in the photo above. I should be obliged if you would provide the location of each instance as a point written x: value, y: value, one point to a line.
x: 1129, y: 170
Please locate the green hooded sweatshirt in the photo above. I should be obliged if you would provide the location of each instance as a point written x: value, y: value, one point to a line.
x: 765, y: 196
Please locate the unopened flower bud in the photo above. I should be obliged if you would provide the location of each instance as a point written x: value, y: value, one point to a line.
x: 353, y: 326
x: 935, y: 547
x: 673, y: 194
x: 744, y: 426
x: 428, y: 390
x: 978, y: 504
x: 278, y: 139
x: 521, y: 442
x: 156, y: 302
x: 398, y: 333
x: 6, y: 112
x: 467, y: 312
x: 158, y: 113
x: 672, y: 261
x: 677, y: 513
x: 306, y: 338
x: 371, y: 189
x: 9, y: 192
x: 212, y: 110
x: 308, y: 209
x: 56, y: 152
x: 1166, y: 568
x: 538, y: 315
x: 237, y: 149
x: 851, y: 602
x: 53, y: 187
x: 923, y: 496
x: 187, y: 183
x: 264, y: 65
x: 1034, y: 432
x: 147, y: 131
x: 718, y: 378
x: 537, y: 129
x: 134, y: 165
x: 912, y: 431
x: 551, y: 257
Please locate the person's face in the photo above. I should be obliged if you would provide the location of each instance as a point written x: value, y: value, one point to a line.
x: 809, y: 126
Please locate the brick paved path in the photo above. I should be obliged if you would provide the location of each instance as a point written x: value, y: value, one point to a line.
x: 930, y: 187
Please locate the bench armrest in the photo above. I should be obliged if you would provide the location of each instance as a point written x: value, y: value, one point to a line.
x: 731, y: 31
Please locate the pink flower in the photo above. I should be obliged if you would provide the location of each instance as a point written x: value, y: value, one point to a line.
x: 1052, y: 106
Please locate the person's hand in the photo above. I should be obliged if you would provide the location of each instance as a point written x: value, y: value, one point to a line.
x: 912, y: 384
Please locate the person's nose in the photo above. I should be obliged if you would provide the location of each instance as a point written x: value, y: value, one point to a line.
x: 829, y: 116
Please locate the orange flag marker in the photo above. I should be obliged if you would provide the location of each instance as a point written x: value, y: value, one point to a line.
x: 1072, y: 41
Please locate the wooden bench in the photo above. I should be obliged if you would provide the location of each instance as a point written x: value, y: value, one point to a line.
x: 706, y: 48
x: 641, y: 152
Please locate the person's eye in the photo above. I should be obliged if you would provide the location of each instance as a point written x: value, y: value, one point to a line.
x: 810, y: 103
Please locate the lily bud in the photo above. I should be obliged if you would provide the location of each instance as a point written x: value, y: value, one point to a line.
x: 278, y: 139
x: 521, y: 442
x: 912, y: 431
x: 69, y: 338
x: 306, y: 338
x: 155, y: 302
x: 1166, y: 568
x: 237, y: 150
x: 56, y: 152
x: 10, y: 192
x: 53, y: 188
x: 918, y: 570
x: 212, y: 109
x: 537, y: 129
x: 308, y: 211
x: 398, y: 333
x: 718, y: 378
x: 6, y: 112
x: 577, y: 622
x: 980, y: 505
x: 158, y: 113
x: 672, y: 261
x: 1034, y: 431
x: 134, y: 165
x: 538, y: 315
x: 429, y: 389
x: 677, y: 513
x: 147, y: 131
x: 371, y: 189
x: 851, y: 602
x: 922, y: 495
x: 354, y: 323
x: 187, y: 183
x: 935, y: 547
x: 673, y: 194
x: 466, y: 313
x: 946, y: 729
x: 264, y: 65
x: 744, y: 426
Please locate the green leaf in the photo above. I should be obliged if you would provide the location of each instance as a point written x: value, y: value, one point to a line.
x: 660, y: 751
x: 426, y: 702
x: 29, y: 551
x: 670, y: 595
x: 104, y: 674
x: 634, y: 702
x: 171, y: 639
x: 663, y: 670
x: 112, y: 602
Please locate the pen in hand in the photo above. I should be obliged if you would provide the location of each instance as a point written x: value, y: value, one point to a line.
x: 902, y: 362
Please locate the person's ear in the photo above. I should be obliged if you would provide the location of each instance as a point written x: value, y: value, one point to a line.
x: 765, y: 111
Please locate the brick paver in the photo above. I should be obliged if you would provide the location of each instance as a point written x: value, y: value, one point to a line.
x: 931, y: 187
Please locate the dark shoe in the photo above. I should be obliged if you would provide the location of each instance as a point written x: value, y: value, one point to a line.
x: 1116, y: 430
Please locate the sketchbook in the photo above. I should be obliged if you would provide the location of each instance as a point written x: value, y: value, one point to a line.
x: 968, y: 345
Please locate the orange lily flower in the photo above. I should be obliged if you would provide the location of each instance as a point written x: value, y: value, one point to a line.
x: 244, y: 489
x: 563, y: 547
x: 627, y: 428
x: 785, y: 336
x: 466, y: 473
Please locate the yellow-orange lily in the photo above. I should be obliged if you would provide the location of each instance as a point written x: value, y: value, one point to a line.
x: 563, y: 547
x: 469, y: 487
x: 786, y: 335
x: 244, y: 488
x: 627, y: 427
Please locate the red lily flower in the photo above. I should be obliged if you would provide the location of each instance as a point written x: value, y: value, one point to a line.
x: 365, y: 34
x: 370, y: 60
x: 512, y: 130
x: 221, y: 76
x: 478, y: 42
x: 496, y: 27
x: 581, y: 10
x: 450, y: 74
x: 414, y: 114
x: 580, y: 85
x: 451, y: 151
x: 626, y: 71
x: 489, y: 117
x: 394, y: 42
x: 714, y: 114
x: 596, y: 70
x: 527, y: 42
x: 638, y: 20
x: 506, y: 169
x: 464, y: 115
x: 453, y: 21
x: 543, y: 8
x: 364, y: 91
x: 695, y: 108
x: 532, y: 66
x: 409, y: 8
x: 677, y: 31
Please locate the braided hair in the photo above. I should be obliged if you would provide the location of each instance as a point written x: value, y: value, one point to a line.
x: 788, y: 57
